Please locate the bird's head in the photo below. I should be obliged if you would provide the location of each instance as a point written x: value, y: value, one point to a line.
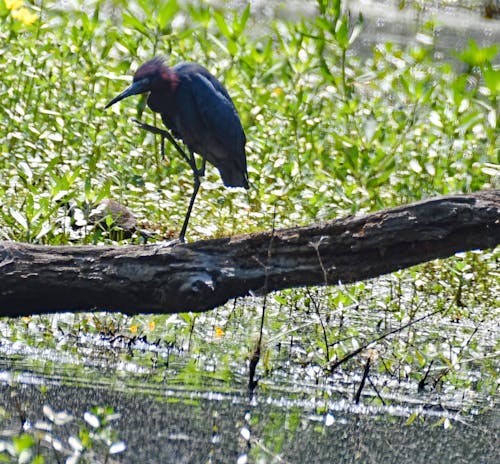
x: 152, y: 75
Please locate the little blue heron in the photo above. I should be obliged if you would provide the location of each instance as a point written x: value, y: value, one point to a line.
x: 197, y: 109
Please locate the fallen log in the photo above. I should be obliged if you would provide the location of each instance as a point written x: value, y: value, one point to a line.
x: 202, y: 275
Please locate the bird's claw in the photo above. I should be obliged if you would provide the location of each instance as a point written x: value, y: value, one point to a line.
x: 149, y: 128
x: 158, y: 246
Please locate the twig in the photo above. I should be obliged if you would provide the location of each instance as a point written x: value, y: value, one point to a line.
x: 332, y: 366
x: 325, y: 337
x: 363, y: 380
x: 422, y: 382
x: 254, y: 360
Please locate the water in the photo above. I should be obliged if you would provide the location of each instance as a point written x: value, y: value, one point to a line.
x: 164, y: 425
x: 454, y: 23
x: 170, y: 412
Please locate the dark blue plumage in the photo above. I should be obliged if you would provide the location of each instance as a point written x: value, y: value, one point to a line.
x: 197, y: 109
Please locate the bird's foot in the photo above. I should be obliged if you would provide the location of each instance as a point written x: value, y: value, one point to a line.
x: 150, y: 128
x: 161, y: 245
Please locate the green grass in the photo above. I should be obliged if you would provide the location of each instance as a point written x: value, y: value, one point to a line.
x: 329, y: 134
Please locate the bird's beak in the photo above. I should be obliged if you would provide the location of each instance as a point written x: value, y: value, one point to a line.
x: 137, y: 87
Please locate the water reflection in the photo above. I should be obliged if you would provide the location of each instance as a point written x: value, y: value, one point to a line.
x: 211, y: 420
x: 174, y: 426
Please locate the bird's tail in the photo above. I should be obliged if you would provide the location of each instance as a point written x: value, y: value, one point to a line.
x: 234, y: 178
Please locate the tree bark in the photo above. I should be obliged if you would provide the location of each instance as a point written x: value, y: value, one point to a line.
x: 202, y: 275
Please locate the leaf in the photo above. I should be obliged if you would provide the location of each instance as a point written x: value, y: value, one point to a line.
x: 117, y: 447
x: 357, y: 29
x: 19, y: 218
x: 92, y: 419
x: 351, y: 155
x: 492, y: 79
x: 239, y: 26
x: 25, y: 171
x: 167, y: 11
x: 325, y: 24
x: 134, y: 23
x: 475, y: 56
x: 411, y: 419
x: 222, y: 25
x: 23, y: 442
x: 232, y: 47
x: 342, y: 33
x: 45, y: 229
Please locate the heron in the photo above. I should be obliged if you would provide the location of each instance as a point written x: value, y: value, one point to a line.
x: 197, y: 109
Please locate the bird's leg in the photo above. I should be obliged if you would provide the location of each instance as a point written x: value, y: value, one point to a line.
x: 164, y: 135
x: 150, y: 128
x: 201, y: 171
x: 197, y: 173
x: 190, y: 207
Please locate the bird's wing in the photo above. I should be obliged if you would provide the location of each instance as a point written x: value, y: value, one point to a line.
x: 219, y: 115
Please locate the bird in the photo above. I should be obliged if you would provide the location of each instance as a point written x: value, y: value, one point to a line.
x: 197, y: 109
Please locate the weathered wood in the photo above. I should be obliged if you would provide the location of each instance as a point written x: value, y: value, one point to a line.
x: 202, y: 275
